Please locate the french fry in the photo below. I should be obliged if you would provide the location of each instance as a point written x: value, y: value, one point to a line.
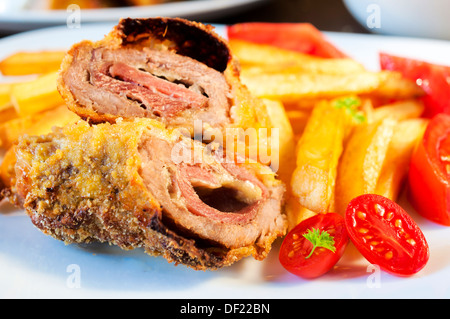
x: 395, y: 167
x: 318, y: 153
x: 26, y: 63
x: 7, y: 173
x: 304, y: 104
x: 269, y: 59
x: 295, y: 212
x: 286, y: 144
x: 5, y: 96
x: 59, y: 116
x: 290, y: 88
x: 394, y: 85
x: 36, y: 124
x: 8, y: 114
x: 401, y: 110
x: 11, y: 130
x: 362, y: 161
x: 37, y: 95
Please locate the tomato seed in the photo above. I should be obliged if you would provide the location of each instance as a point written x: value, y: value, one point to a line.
x: 361, y: 215
x: 389, y: 255
x: 363, y: 230
x: 411, y: 241
x: 398, y: 223
x: 389, y: 216
x: 379, y: 249
x: 379, y: 209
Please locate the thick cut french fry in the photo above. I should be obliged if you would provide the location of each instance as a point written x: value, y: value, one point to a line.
x: 295, y: 212
x: 318, y: 153
x: 294, y: 87
x: 26, y: 63
x: 401, y: 110
x: 59, y: 116
x: 37, y: 95
x: 290, y: 88
x: 8, y: 114
x: 7, y: 173
x: 5, y: 96
x: 362, y: 160
x: 395, y: 167
x: 394, y: 85
x: 270, y: 59
x: 36, y: 124
x: 286, y: 144
x: 12, y: 129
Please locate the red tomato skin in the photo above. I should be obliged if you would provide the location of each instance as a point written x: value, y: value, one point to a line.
x: 429, y: 185
x: 385, y: 233
x: 432, y: 78
x: 322, y: 259
x: 300, y: 37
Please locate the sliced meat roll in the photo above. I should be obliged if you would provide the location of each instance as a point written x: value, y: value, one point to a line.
x: 136, y: 184
x: 172, y: 70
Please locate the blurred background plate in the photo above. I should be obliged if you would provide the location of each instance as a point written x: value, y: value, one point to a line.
x: 410, y: 18
x: 23, y: 15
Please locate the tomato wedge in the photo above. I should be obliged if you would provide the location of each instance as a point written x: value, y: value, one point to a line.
x: 300, y: 37
x: 434, y: 80
x: 295, y: 251
x: 429, y: 173
x: 386, y: 235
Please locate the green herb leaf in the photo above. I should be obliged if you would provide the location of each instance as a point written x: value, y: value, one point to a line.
x: 350, y: 105
x: 319, y: 239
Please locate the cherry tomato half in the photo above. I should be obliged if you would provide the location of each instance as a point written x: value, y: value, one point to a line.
x: 300, y: 37
x: 432, y: 78
x: 429, y: 172
x: 295, y: 249
x: 386, y: 235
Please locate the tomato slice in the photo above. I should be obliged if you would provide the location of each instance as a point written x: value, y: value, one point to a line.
x: 386, y: 235
x: 295, y: 249
x: 300, y: 37
x: 434, y: 80
x: 429, y: 172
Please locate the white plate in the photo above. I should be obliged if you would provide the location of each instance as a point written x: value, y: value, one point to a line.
x: 22, y: 15
x: 33, y: 265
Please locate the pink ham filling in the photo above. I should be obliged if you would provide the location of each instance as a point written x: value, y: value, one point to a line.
x: 197, y: 206
x: 164, y: 97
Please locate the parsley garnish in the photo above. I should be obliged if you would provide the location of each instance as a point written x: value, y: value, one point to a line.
x: 319, y: 239
x: 350, y: 105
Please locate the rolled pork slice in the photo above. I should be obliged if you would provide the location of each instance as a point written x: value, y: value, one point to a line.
x: 136, y: 184
x: 169, y: 69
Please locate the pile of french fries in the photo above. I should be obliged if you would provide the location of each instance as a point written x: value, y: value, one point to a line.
x: 352, y: 131
x: 29, y: 101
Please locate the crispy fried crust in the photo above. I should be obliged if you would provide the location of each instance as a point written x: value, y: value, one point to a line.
x: 192, y: 39
x: 83, y: 183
